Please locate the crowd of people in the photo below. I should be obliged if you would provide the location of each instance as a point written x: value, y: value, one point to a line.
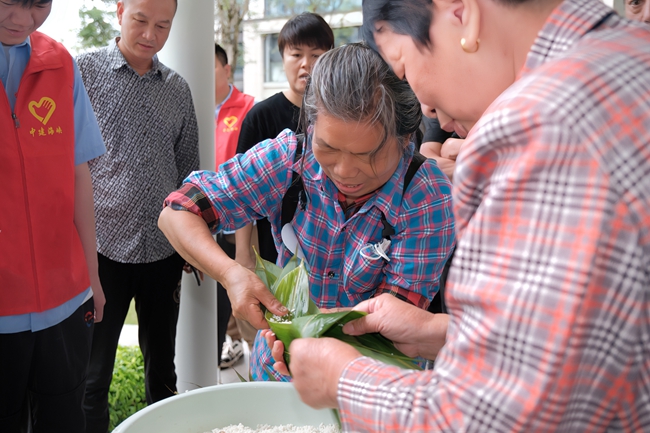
x: 537, y: 111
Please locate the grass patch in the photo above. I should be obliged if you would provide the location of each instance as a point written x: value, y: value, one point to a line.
x: 126, y: 395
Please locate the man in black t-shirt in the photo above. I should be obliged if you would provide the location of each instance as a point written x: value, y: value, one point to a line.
x: 301, y: 41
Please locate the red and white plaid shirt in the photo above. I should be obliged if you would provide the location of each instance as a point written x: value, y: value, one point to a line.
x: 549, y: 291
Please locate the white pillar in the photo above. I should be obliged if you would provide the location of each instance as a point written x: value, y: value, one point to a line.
x: 190, y: 52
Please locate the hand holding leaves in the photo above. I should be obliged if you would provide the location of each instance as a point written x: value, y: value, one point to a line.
x: 291, y: 287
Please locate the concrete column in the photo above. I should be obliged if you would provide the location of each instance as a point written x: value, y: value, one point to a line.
x: 190, y: 52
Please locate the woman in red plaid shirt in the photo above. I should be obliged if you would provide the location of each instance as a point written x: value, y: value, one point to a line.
x: 549, y: 290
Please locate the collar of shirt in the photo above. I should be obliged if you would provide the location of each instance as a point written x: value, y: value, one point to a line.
x: 567, y: 24
x: 5, y: 49
x: 12, y: 66
x: 117, y: 59
x: 387, y: 199
x: 352, y: 208
x: 218, y: 107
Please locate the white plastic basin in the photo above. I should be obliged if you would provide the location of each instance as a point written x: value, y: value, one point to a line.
x: 202, y: 410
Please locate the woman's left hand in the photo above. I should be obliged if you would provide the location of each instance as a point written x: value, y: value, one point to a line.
x: 277, y: 351
x: 316, y: 366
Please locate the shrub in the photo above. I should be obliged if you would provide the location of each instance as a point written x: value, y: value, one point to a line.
x: 126, y: 395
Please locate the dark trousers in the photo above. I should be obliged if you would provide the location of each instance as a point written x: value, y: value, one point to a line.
x: 224, y: 309
x: 156, y: 289
x: 43, y: 376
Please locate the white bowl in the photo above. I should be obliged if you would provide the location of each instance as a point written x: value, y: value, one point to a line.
x: 205, y: 409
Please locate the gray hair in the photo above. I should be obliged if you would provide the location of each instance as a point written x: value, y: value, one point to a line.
x: 354, y: 84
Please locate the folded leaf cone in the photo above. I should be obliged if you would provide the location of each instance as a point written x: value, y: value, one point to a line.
x: 290, y: 286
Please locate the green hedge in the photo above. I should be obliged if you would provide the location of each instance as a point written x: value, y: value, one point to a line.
x: 126, y: 395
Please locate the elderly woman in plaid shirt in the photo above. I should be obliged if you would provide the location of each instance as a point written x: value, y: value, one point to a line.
x: 357, y: 151
x: 549, y: 290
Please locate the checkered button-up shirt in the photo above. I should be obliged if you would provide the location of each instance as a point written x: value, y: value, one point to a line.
x: 152, y: 143
x: 549, y: 291
x: 251, y: 186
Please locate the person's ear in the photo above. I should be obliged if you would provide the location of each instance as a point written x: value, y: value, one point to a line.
x: 120, y: 12
x: 471, y: 23
x: 464, y: 16
x: 228, y: 69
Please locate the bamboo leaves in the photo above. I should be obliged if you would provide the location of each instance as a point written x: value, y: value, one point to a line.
x: 304, y: 320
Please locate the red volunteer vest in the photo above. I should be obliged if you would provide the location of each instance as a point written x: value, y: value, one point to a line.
x: 228, y: 125
x: 42, y: 264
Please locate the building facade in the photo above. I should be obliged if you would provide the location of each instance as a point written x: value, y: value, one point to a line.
x: 262, y: 74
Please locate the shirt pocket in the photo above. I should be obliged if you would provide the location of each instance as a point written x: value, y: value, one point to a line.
x: 362, y: 277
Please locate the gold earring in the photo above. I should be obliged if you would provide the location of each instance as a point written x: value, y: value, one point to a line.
x: 467, y: 50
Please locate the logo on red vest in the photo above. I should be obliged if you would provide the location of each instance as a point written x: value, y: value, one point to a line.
x: 45, y: 106
x: 42, y: 111
x: 230, y: 123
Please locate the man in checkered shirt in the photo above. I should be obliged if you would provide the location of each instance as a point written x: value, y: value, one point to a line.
x: 549, y: 291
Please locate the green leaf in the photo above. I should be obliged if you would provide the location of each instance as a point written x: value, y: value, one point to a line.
x: 338, y: 418
x: 291, y: 288
x: 293, y: 264
x: 331, y: 325
x: 241, y: 378
x: 375, y: 346
x: 268, y: 372
x: 316, y: 325
x: 267, y: 272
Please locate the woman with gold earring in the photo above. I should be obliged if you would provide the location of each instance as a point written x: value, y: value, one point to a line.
x: 549, y: 290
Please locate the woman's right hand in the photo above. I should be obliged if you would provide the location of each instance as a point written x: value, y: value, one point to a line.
x: 414, y: 331
x: 246, y: 292
x: 189, y: 235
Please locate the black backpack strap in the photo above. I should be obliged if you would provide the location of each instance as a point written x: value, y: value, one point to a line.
x: 296, y: 191
x: 417, y: 160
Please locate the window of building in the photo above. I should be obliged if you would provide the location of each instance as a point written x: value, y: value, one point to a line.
x: 274, y: 73
x: 286, y: 8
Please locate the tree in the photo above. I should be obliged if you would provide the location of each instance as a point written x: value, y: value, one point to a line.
x: 96, y: 28
x: 229, y: 15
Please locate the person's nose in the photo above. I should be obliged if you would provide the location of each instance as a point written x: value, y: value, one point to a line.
x: 345, y: 168
x: 310, y: 64
x: 429, y: 111
x: 306, y: 62
x: 443, y: 119
x: 646, y: 12
x: 149, y: 32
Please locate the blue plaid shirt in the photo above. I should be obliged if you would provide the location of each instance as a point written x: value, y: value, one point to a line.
x: 251, y: 186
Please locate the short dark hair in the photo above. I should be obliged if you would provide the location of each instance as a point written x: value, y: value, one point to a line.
x: 30, y: 3
x: 124, y: 2
x: 405, y: 17
x: 221, y: 54
x: 308, y: 29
